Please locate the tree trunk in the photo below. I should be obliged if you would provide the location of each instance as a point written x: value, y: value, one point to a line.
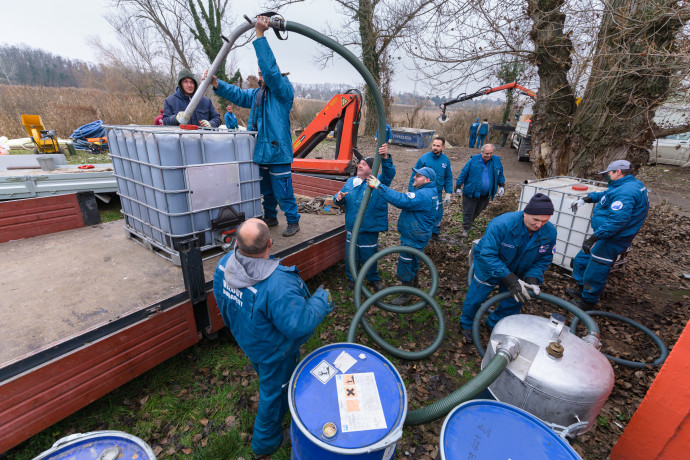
x: 630, y: 78
x: 365, y: 17
x: 555, y: 104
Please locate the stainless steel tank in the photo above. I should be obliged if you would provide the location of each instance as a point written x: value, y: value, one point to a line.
x: 556, y: 376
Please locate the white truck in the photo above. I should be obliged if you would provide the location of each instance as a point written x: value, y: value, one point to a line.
x: 522, y: 139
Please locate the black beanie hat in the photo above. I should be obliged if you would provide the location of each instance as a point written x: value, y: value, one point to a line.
x: 370, y: 161
x: 539, y: 205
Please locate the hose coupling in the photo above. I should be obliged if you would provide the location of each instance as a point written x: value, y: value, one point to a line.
x: 510, y: 346
x: 593, y: 340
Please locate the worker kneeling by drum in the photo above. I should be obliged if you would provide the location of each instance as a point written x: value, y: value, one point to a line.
x: 514, y: 253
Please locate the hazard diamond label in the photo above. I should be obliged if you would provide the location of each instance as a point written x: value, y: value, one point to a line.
x: 324, y: 371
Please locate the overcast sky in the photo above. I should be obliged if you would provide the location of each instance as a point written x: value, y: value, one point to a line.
x: 62, y: 27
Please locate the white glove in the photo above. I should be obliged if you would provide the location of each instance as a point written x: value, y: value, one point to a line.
x: 576, y: 204
x: 446, y: 199
x: 373, y: 182
x: 205, y: 123
x: 500, y: 192
x: 458, y: 191
x: 534, y: 287
x: 524, y: 286
x: 181, y: 119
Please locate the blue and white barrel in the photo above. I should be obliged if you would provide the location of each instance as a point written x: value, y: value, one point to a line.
x: 99, y: 445
x: 347, y: 402
x: 480, y: 429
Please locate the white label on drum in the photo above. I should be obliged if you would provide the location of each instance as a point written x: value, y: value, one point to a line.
x: 344, y: 362
x: 324, y: 371
x: 359, y: 402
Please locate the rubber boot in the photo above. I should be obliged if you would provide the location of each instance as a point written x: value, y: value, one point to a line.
x: 402, y: 299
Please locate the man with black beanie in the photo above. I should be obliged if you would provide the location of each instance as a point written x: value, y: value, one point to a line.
x: 514, y: 253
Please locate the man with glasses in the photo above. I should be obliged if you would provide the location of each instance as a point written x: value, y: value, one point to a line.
x: 480, y: 180
x: 270, y: 105
x: 618, y: 215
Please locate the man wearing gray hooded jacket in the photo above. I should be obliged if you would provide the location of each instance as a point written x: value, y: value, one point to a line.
x: 205, y: 114
x: 270, y: 312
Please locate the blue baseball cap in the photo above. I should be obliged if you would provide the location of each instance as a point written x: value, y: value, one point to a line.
x: 426, y: 172
x: 616, y: 165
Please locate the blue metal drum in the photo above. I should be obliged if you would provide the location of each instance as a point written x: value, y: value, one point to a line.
x: 482, y: 429
x: 99, y: 445
x: 347, y: 401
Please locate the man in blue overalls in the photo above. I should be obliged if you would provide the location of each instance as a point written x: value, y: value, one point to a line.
x: 514, y: 253
x: 415, y: 223
x: 482, y: 132
x: 375, y: 217
x: 618, y: 215
x: 440, y: 163
x: 473, y: 133
x: 269, y: 311
x: 269, y: 114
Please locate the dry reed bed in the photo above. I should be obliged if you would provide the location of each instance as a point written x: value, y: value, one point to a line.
x: 66, y: 109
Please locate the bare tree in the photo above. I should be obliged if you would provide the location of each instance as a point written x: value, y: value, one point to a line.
x: 625, y: 57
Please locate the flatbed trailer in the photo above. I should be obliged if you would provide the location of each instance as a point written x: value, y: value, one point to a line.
x: 84, y: 311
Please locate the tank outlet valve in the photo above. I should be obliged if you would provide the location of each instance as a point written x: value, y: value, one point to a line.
x: 511, y: 346
x: 593, y: 340
x: 329, y: 430
x: 555, y: 349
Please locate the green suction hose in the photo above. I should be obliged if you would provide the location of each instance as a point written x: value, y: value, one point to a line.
x: 502, y: 358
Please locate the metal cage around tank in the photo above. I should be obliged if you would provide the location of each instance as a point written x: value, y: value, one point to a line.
x: 173, y: 183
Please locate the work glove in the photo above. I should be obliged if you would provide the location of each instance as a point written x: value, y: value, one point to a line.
x: 588, y: 243
x: 181, y: 118
x: 458, y: 191
x: 330, y: 297
x: 577, y: 204
x: 500, y: 192
x: 533, y: 284
x: 205, y: 124
x: 517, y: 287
x: 446, y: 199
x: 373, y: 182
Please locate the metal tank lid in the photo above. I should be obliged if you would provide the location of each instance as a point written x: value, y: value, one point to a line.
x: 348, y: 398
x: 104, y: 445
x: 494, y: 430
x: 581, y: 372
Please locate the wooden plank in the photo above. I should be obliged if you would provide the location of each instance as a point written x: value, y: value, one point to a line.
x: 39, y: 216
x: 315, y: 186
x: 41, y: 397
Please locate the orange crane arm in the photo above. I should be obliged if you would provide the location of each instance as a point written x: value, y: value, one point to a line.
x: 340, y: 115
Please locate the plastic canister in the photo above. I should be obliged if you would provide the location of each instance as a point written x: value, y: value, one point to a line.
x: 101, y: 445
x: 347, y: 401
x: 482, y: 429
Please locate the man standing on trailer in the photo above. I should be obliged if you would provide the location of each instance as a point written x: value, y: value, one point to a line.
x: 440, y: 163
x: 415, y: 223
x: 270, y: 105
x: 269, y: 311
x: 618, y: 216
x: 514, y: 253
x: 480, y: 180
x: 375, y: 217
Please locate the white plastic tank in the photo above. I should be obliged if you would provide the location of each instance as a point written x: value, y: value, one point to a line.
x: 572, y: 228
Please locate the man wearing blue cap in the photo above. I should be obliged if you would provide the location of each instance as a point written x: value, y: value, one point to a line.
x: 514, y: 253
x: 416, y: 221
x: 440, y: 163
x: 618, y: 215
x: 473, y: 132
